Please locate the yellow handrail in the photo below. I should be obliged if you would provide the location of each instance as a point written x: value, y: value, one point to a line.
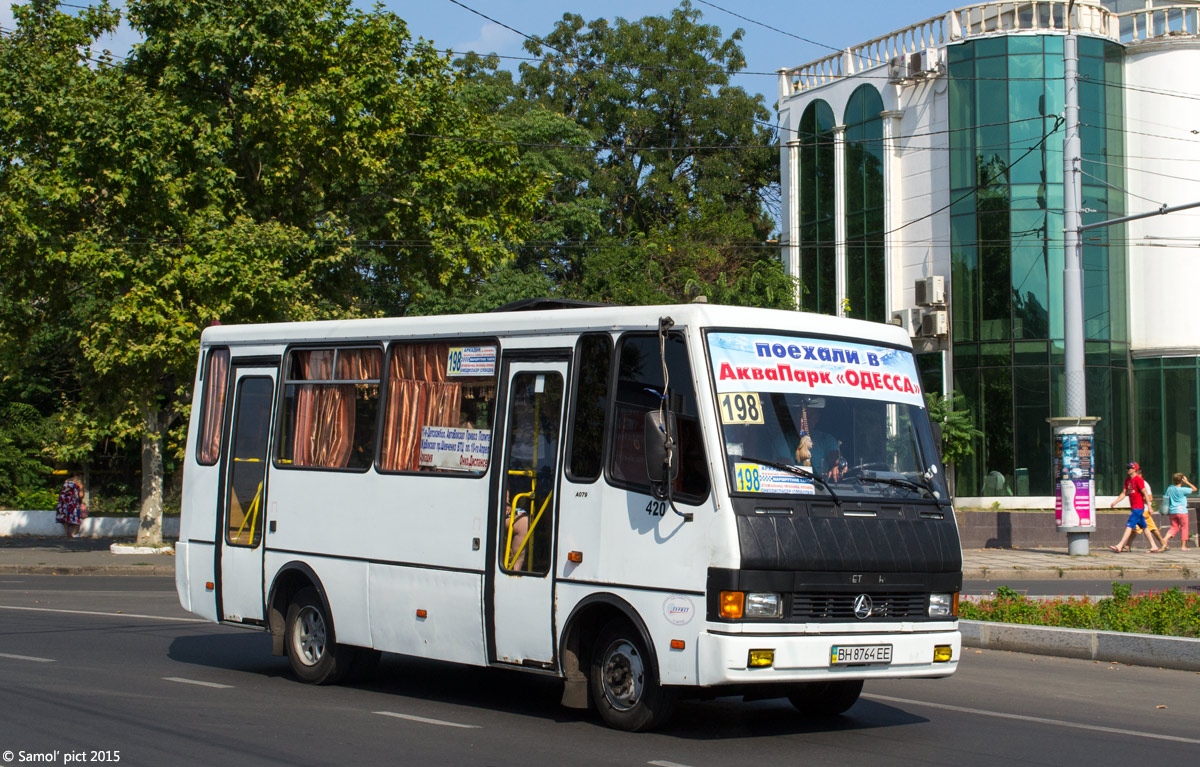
x: 251, y: 516
x: 532, y: 524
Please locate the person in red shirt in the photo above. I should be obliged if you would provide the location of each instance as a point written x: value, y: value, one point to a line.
x: 1139, y: 497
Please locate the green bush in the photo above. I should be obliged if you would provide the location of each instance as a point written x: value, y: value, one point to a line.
x: 1167, y: 613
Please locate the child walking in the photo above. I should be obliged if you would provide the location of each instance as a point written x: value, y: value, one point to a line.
x: 1177, y: 509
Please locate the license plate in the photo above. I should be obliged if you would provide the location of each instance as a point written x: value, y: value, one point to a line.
x: 860, y: 654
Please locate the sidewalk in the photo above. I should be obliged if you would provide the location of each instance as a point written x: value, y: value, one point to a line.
x: 36, y: 555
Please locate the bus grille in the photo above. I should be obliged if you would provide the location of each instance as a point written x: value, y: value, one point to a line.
x: 839, y: 606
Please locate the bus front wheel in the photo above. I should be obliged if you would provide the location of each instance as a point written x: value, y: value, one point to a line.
x: 826, y: 698
x: 624, y: 685
x: 314, y: 656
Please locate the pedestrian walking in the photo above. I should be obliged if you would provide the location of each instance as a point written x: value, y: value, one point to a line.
x: 1148, y: 514
x: 71, y: 510
x: 1177, y: 510
x: 1139, y: 496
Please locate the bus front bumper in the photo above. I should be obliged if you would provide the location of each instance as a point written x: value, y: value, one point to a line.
x: 725, y: 658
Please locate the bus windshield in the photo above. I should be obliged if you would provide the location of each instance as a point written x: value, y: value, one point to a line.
x: 802, y: 416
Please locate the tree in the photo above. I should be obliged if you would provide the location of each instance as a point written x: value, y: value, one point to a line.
x: 682, y: 174
x: 958, y: 428
x: 266, y: 160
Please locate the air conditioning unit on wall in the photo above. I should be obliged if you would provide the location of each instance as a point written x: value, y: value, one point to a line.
x: 931, y: 291
x: 935, y: 323
x: 909, y: 319
x: 915, y: 66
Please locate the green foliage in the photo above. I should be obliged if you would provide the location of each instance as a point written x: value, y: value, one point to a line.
x: 22, y: 465
x: 958, y: 426
x: 1167, y: 613
x: 256, y: 161
x: 658, y: 211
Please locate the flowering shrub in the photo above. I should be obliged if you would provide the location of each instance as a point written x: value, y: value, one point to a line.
x: 1169, y: 613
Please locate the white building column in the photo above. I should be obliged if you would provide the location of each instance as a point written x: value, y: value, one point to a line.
x: 839, y: 216
x: 791, y: 216
x: 893, y: 202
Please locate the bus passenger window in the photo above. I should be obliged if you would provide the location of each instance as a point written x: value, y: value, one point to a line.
x: 639, y: 380
x: 439, y: 408
x: 212, y: 408
x: 330, y: 408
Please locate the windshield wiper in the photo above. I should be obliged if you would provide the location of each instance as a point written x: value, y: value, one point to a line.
x: 905, y: 483
x: 799, y: 471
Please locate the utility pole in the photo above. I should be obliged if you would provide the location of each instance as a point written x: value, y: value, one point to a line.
x: 1074, y: 431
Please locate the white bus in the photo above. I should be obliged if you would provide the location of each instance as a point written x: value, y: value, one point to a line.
x: 647, y: 502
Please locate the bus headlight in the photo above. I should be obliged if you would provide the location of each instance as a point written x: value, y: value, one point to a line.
x: 764, y: 605
x: 943, y: 605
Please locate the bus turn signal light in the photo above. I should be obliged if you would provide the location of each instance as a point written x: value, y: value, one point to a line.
x: 422, y: 614
x: 732, y: 604
x: 677, y: 644
x: 575, y: 556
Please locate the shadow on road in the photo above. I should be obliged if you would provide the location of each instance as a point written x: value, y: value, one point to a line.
x: 236, y: 650
x: 535, y: 696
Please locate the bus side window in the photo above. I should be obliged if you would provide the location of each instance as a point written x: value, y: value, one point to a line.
x: 437, y: 394
x: 330, y: 408
x: 592, y: 368
x: 212, y: 407
x: 638, y: 382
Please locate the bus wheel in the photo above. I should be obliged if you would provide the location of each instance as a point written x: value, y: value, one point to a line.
x: 315, y: 658
x: 624, y: 685
x: 826, y: 698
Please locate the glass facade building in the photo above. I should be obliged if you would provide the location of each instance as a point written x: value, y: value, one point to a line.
x: 1006, y: 255
x: 932, y: 157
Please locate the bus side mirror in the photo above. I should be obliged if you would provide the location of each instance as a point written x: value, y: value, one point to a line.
x: 657, y: 455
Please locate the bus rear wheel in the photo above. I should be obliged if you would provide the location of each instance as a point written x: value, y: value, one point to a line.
x: 315, y: 657
x: 826, y: 698
x: 624, y: 684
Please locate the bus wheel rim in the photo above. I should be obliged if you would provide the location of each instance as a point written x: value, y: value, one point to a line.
x: 623, y: 676
x: 310, y: 635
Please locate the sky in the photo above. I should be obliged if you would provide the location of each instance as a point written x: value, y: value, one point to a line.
x: 451, y: 26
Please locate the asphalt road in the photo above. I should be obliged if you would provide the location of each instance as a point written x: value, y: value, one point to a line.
x: 98, y: 669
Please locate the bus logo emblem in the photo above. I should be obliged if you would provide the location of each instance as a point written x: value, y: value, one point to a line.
x: 678, y: 610
x: 863, y: 607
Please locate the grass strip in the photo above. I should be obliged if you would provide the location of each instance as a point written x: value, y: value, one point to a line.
x: 1167, y: 613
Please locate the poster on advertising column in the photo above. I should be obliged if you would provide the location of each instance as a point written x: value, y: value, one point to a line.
x: 1074, y: 480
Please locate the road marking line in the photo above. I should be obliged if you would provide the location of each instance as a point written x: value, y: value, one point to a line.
x: 107, y: 615
x: 26, y: 657
x: 1039, y: 720
x: 181, y: 680
x: 659, y: 763
x: 441, y: 722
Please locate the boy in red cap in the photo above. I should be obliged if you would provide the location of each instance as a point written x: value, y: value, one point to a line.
x: 1139, y: 497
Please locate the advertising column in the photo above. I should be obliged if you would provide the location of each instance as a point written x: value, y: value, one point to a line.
x: 1074, y: 482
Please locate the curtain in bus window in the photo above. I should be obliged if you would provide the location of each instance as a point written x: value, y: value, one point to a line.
x: 325, y: 413
x: 418, y: 395
x: 213, y: 407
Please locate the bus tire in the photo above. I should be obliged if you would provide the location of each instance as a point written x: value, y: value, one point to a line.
x: 826, y: 698
x: 315, y: 657
x: 624, y: 684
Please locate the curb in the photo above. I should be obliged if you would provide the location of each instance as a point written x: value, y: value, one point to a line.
x: 1181, y: 653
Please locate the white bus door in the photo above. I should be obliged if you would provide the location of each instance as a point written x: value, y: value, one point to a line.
x: 244, y: 496
x: 523, y: 579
